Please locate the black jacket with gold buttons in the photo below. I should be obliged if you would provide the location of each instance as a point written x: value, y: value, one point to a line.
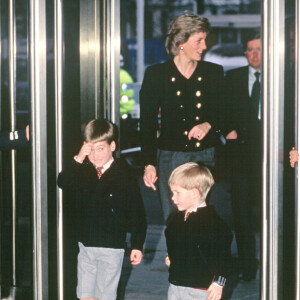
x: 181, y: 104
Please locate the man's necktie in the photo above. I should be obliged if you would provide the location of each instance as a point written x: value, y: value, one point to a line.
x: 99, y: 172
x: 255, y: 94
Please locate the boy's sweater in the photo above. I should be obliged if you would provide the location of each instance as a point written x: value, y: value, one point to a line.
x: 198, y: 248
x: 106, y: 208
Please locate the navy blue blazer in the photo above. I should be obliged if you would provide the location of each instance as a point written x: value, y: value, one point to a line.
x: 107, y: 208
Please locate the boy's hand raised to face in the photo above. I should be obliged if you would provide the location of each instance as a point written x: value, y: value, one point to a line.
x: 84, y: 151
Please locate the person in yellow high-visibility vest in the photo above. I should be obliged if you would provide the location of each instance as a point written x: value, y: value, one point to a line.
x: 126, y: 94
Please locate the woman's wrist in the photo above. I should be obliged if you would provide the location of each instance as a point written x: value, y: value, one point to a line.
x: 207, y: 125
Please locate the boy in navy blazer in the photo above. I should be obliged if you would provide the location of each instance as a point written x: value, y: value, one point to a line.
x: 198, y: 241
x: 109, y: 205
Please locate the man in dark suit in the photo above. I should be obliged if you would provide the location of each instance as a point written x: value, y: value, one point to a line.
x: 244, y: 111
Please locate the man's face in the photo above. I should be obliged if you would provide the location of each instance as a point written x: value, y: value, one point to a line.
x: 253, y: 54
x: 101, y: 153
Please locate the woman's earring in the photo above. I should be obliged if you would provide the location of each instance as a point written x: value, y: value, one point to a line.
x: 181, y: 47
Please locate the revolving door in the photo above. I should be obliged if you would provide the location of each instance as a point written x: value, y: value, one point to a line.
x: 59, y: 68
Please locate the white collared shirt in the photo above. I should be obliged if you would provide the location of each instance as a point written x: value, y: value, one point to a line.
x: 203, y: 204
x: 251, y: 81
x: 107, y: 165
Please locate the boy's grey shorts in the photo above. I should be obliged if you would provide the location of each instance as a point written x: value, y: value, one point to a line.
x: 98, y: 272
x: 181, y: 292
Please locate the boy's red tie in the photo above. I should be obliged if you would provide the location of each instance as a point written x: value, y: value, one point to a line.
x: 99, y: 171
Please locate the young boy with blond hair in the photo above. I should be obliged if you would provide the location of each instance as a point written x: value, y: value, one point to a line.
x: 198, y: 241
x: 109, y: 205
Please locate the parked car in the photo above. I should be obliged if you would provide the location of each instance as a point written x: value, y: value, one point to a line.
x: 230, y: 55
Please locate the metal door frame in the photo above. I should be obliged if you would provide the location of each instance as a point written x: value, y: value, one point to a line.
x: 39, y: 147
x: 297, y: 99
x: 110, y: 97
x: 99, y: 59
x: 273, y: 28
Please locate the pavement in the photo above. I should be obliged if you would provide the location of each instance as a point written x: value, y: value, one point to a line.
x: 149, y: 280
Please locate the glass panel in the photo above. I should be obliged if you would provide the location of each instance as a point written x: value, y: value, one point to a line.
x: 85, y: 96
x: 71, y: 141
x: 86, y: 90
x: 16, y: 268
x: 289, y: 205
x: 231, y: 22
x: 51, y: 154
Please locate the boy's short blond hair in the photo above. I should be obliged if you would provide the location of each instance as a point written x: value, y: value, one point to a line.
x: 99, y: 130
x: 191, y: 175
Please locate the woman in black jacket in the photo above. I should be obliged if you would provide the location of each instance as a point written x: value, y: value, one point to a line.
x: 187, y: 92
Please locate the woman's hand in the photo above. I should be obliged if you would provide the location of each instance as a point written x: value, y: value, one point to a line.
x: 199, y: 131
x: 150, y: 177
x: 294, y: 157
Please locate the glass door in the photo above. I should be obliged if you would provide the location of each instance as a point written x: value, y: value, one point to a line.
x: 62, y: 64
x: 290, y: 223
x: 16, y: 260
x: 43, y: 48
x: 85, y: 58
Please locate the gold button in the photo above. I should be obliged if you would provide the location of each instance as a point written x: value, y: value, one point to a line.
x: 199, y: 78
x: 181, y: 106
x: 198, y: 144
x: 178, y: 93
x: 173, y: 79
x: 198, y: 93
x: 183, y: 120
x: 197, y: 118
x: 186, y: 133
x: 198, y: 105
